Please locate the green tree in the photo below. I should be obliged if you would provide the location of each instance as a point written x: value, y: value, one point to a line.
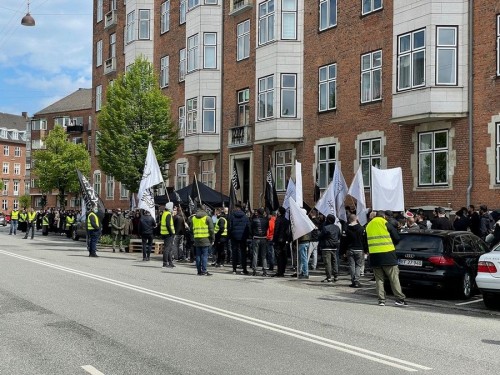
x: 1, y: 185
x: 135, y: 112
x: 25, y: 201
x: 55, y: 166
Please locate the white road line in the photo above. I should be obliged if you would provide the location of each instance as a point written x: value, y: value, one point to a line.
x: 469, y: 302
x: 336, y: 345
x: 92, y: 370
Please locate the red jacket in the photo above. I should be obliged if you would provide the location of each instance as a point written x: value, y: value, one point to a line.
x: 270, y: 229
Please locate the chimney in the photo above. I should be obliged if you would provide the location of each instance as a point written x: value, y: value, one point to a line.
x: 24, y: 114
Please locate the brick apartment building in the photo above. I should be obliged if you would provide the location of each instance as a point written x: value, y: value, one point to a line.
x: 390, y: 83
x: 13, y: 139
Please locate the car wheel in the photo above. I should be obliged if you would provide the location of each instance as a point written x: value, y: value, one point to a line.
x: 491, y: 301
x: 465, y: 288
x: 74, y: 235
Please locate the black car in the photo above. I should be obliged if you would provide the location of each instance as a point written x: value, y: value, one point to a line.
x: 440, y: 259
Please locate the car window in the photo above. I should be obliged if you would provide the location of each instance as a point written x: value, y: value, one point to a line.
x: 457, y: 246
x: 419, y: 242
x: 467, y: 243
x: 481, y: 247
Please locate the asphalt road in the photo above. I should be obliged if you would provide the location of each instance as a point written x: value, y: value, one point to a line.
x: 62, y: 312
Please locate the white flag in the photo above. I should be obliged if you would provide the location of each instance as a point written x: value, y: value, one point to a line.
x: 326, y: 204
x: 340, y: 191
x: 357, y: 191
x: 298, y: 184
x: 290, y: 193
x: 150, y: 177
x: 300, y: 222
x: 133, y: 204
x: 387, y: 189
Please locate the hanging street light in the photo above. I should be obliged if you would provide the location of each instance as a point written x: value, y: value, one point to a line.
x: 28, y: 20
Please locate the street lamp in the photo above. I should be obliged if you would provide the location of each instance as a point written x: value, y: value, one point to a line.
x: 27, y: 19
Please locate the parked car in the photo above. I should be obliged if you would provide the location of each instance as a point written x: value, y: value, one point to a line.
x: 488, y: 277
x: 3, y: 220
x: 440, y: 259
x: 79, y: 229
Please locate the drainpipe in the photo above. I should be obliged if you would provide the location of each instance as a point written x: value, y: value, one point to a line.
x: 470, y: 99
x: 221, y: 128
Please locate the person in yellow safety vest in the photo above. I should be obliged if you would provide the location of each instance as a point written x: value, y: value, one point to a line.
x: 23, y: 216
x: 45, y: 224
x: 382, y: 236
x: 167, y: 232
x: 93, y: 231
x: 30, y: 222
x: 202, y: 228
x: 14, y: 217
x: 70, y: 220
x: 220, y: 238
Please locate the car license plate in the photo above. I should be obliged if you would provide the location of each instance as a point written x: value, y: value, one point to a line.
x: 410, y: 262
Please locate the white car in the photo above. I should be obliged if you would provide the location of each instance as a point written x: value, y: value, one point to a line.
x: 488, y: 277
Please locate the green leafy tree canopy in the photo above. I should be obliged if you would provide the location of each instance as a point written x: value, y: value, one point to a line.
x: 135, y: 112
x: 55, y: 166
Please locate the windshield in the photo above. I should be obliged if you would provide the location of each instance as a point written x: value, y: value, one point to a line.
x: 417, y: 242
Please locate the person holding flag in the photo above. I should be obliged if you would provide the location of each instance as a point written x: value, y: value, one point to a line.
x: 93, y: 231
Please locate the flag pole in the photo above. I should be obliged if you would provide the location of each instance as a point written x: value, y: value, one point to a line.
x: 297, y: 247
x: 197, y: 188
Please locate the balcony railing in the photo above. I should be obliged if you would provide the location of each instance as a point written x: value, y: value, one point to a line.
x: 74, y: 128
x: 110, y: 19
x: 239, y: 6
x: 240, y: 136
x: 110, y: 65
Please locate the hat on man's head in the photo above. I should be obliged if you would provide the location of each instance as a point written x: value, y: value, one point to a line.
x: 441, y: 210
x: 169, y: 206
x: 389, y: 213
x: 282, y: 211
x: 260, y: 211
x: 409, y: 214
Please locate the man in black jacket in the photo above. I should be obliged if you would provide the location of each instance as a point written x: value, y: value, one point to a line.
x: 280, y: 239
x: 259, y: 228
x: 329, y: 240
x: 356, y: 247
x: 147, y: 224
x: 238, y: 232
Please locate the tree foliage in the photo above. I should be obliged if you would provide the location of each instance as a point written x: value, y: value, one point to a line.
x: 55, y: 166
x: 135, y: 112
x: 25, y: 201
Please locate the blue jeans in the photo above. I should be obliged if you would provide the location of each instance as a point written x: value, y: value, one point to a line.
x: 13, y: 226
x: 201, y: 254
x: 93, y: 239
x: 303, y: 252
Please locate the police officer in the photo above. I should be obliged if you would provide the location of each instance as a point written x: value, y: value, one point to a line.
x: 93, y: 231
x: 14, y: 217
x: 30, y: 222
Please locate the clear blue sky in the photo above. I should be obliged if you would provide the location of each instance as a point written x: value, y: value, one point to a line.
x: 42, y: 64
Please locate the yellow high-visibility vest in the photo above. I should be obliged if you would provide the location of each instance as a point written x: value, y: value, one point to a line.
x: 200, y: 227
x: 14, y: 215
x: 224, y: 232
x: 379, y: 239
x: 89, y: 224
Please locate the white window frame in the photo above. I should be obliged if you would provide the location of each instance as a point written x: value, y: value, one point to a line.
x: 370, y: 6
x: 182, y: 12
x: 15, y: 188
x: 433, y: 151
x: 5, y: 167
x: 265, y: 108
x: 327, y: 160
x: 182, y: 121
x: 110, y: 187
x: 410, y: 54
x: 191, y: 115
x: 208, y: 173
x: 288, y: 90
x: 6, y: 150
x: 326, y: 7
x: 243, y: 107
x: 370, y: 155
x: 39, y: 124
x: 327, y: 77
x: 210, y: 50
x: 182, y: 64
x: 165, y: 17
x: 27, y: 186
x: 130, y: 27
x: 497, y: 152
x: 124, y: 192
x: 97, y: 182
x: 17, y: 151
x: 289, y: 19
x: 193, y: 53
x: 267, y: 11
x: 112, y: 45
x: 98, y: 98
x: 100, y: 12
x: 5, y: 204
x: 181, y: 175
x: 144, y: 31
x: 443, y: 47
x: 498, y: 44
x: 17, y: 169
x: 164, y: 71
x: 243, y: 40
x: 211, y: 2
x: 371, y: 67
x: 209, y: 104
x: 192, y: 4
x: 283, y: 168
x: 98, y: 54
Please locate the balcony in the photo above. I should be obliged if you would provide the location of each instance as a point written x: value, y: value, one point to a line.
x: 239, y: 6
x: 110, y: 65
x: 75, y: 128
x: 240, y: 136
x: 279, y: 130
x: 110, y: 19
x: 199, y: 144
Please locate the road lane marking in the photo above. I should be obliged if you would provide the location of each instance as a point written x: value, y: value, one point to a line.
x: 469, y: 302
x: 92, y: 370
x: 305, y: 336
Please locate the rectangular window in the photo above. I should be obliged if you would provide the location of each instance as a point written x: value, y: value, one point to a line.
x: 182, y: 121
x: 15, y: 203
x: 17, y: 151
x: 182, y: 65
x: 328, y: 87
x: 5, y: 187
x: 208, y: 173
x: 192, y: 4
x: 62, y: 121
x: 5, y: 168
x: 110, y: 187
x: 164, y: 70
x: 371, y: 6
x: 266, y: 97
x: 326, y: 164
x: 181, y: 177
x: 371, y: 76
x: 130, y: 28
x: 210, y: 50
x: 143, y: 24
x: 209, y: 114
x: 266, y: 22
x: 112, y: 45
x: 498, y: 45
x: 98, y: 54
x: 446, y: 55
x: 4, y: 204
x: 327, y: 14
x: 192, y: 58
x: 211, y: 2
x: 112, y: 4
x: 165, y: 17
x: 124, y: 193
x: 6, y: 150
x: 27, y: 186
x: 243, y: 40
x: 411, y: 60
x: 433, y: 158
x: 283, y: 167
x: 244, y: 107
x: 98, y: 98
x: 289, y: 19
x: 288, y: 95
x: 369, y: 156
x: 192, y: 115
x: 17, y: 169
x: 497, y: 154
x: 182, y: 12
x: 97, y: 182
x: 15, y: 188
x: 99, y: 11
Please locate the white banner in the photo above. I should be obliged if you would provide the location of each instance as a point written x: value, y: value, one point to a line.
x: 357, y: 191
x: 387, y: 189
x: 300, y: 222
x: 326, y: 204
x: 290, y: 193
x: 298, y: 184
x: 150, y: 177
x: 340, y: 191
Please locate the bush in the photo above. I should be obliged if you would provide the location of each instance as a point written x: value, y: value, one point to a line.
x: 107, y: 239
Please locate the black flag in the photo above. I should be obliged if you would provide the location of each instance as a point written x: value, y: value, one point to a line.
x: 235, y: 185
x: 90, y: 197
x: 317, y: 191
x: 270, y: 194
